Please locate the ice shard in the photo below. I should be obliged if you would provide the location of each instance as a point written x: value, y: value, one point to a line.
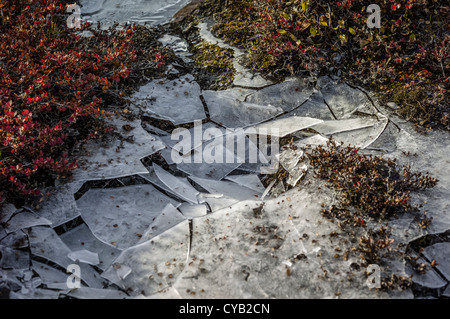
x: 81, y: 237
x: 120, y: 216
x: 177, y: 101
x: 155, y: 264
x: 120, y: 156
x: 179, y: 186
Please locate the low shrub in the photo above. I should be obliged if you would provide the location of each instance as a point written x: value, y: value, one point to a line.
x: 55, y: 84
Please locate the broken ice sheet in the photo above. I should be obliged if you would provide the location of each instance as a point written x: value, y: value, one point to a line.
x: 6, y: 211
x: 14, y: 258
x: 217, y: 202
x: 152, y: 178
x: 238, y: 244
x: 193, y: 211
x: 221, y: 155
x: 179, y: 186
x: 185, y: 141
x: 216, y: 171
x: 285, y: 126
x: 362, y: 138
x: 229, y: 189
x: 51, y: 277
x: 59, y: 206
x: 45, y: 243
x: 168, y: 293
x: 288, y: 95
x: 440, y: 253
x: 311, y: 141
x: 35, y: 294
x: 94, y: 293
x: 168, y: 218
x: 154, y: 264
x: 387, y: 141
x: 25, y: 219
x: 84, y: 256
x: 251, y: 181
x: 343, y: 100
x: 120, y: 156
x: 81, y: 237
x: 338, y: 126
x: 446, y: 292
x: 319, y: 254
x: 177, y: 101
x: 16, y: 239
x: 429, y: 279
x: 233, y: 113
x: 137, y: 11
x: 119, y: 216
x: 289, y: 159
x: 314, y: 107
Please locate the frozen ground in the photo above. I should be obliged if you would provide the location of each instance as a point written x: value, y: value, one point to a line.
x: 209, y: 230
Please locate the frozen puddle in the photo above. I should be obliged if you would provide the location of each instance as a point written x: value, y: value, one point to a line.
x: 212, y: 230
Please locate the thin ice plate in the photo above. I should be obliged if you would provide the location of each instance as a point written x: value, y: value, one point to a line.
x: 119, y: 216
x: 177, y: 101
x: 154, y: 264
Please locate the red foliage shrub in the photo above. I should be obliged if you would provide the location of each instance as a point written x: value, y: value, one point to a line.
x: 53, y: 86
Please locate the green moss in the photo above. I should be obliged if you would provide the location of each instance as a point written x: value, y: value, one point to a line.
x: 216, y: 61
